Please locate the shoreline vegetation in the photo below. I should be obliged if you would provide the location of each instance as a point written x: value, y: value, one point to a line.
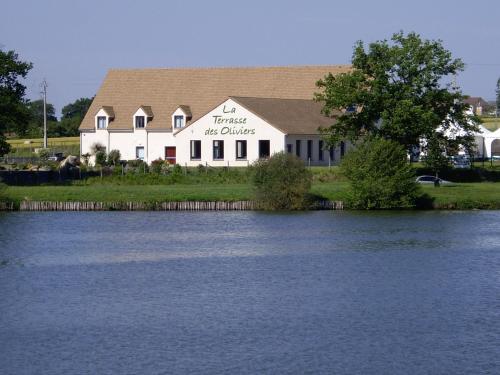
x: 484, y: 195
x: 476, y: 188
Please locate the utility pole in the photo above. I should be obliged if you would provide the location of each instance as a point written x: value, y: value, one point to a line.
x: 44, y: 92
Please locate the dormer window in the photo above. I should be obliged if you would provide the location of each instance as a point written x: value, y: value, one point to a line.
x: 103, y: 117
x: 139, y: 122
x: 142, y: 117
x: 178, y: 122
x: 180, y: 117
x: 101, y: 122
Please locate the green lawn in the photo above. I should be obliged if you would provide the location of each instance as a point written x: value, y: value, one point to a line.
x: 130, y: 193
x: 466, y: 196
x: 491, y: 123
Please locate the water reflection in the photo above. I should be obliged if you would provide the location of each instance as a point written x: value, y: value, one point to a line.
x: 249, y: 292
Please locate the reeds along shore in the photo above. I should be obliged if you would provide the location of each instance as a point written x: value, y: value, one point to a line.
x: 150, y: 206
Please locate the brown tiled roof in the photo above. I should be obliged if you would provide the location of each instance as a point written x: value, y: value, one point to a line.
x: 186, y: 110
x: 475, y: 101
x: 199, y: 88
x: 147, y: 110
x: 109, y: 110
x: 291, y: 116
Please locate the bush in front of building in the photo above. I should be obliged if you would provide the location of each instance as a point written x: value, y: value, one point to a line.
x: 96, y: 147
x: 157, y: 166
x: 380, y: 176
x: 114, y: 157
x: 100, y: 158
x: 281, y: 182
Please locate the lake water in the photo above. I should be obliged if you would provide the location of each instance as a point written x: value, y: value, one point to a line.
x: 249, y: 292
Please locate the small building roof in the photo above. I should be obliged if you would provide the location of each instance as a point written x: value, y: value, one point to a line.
x: 187, y: 110
x: 147, y: 110
x: 475, y: 101
x: 109, y: 110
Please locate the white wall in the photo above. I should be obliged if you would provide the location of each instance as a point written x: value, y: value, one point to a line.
x: 88, y: 138
x: 292, y: 139
x: 215, y: 126
x: 228, y: 122
x: 126, y: 142
x: 157, y: 141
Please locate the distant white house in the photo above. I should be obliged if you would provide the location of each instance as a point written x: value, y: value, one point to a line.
x: 487, y: 142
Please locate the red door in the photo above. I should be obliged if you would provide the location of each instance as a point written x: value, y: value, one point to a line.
x: 170, y: 155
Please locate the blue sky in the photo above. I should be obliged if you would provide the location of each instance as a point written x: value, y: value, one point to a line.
x: 73, y: 43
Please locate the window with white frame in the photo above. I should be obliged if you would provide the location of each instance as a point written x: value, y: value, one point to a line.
x: 195, y: 150
x: 139, y: 152
x: 218, y: 150
x: 101, y: 122
x: 139, y: 122
x: 241, y: 150
x: 178, y: 122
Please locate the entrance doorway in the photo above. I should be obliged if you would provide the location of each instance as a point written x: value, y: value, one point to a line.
x: 170, y: 154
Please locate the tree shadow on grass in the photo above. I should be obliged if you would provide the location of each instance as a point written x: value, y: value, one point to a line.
x: 424, y: 202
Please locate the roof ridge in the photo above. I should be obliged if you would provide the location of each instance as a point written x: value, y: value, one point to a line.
x: 230, y: 67
x: 270, y: 98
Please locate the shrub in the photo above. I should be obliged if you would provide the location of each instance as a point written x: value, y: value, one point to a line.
x: 282, y: 182
x: 114, y: 157
x: 85, y: 158
x: 165, y: 168
x: 44, y: 154
x: 177, y: 170
x: 137, y: 166
x: 3, y: 187
x: 96, y: 147
x: 100, y: 158
x: 156, y: 166
x: 380, y: 176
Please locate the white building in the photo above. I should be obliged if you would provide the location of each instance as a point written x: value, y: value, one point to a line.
x: 487, y: 143
x: 215, y: 116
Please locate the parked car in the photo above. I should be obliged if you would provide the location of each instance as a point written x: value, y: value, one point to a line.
x: 461, y: 162
x: 58, y: 156
x: 431, y: 180
x: 495, y: 157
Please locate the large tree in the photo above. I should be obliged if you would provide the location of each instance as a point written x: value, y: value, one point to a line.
x: 399, y: 90
x: 13, y: 112
x: 35, y: 127
x: 77, y: 109
x: 72, y: 116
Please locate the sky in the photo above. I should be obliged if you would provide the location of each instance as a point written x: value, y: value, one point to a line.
x: 72, y: 44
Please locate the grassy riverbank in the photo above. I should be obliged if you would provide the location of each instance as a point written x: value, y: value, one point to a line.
x: 483, y: 195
